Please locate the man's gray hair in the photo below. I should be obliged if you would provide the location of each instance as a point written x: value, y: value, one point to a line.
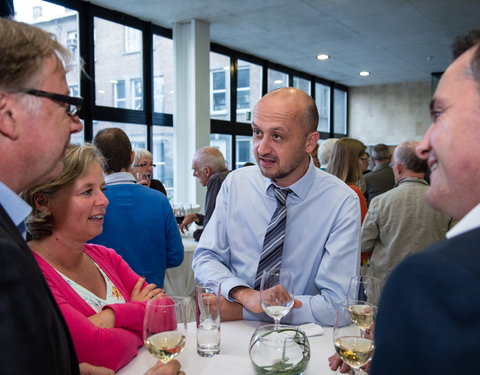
x: 210, y: 157
x: 405, y: 154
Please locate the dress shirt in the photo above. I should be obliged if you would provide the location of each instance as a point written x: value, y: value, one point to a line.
x: 470, y: 221
x: 15, y: 207
x: 321, y: 244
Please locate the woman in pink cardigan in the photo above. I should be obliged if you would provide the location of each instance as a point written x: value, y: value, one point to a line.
x: 101, y: 298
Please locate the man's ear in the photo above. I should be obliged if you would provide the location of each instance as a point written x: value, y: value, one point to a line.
x: 312, y: 140
x: 8, y: 123
x: 208, y: 171
x: 132, y: 157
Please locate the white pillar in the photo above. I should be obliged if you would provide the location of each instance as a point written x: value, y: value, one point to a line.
x: 191, y: 118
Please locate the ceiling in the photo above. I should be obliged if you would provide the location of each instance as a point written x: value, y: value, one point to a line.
x: 395, y: 40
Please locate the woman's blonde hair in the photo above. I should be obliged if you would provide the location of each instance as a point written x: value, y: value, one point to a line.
x: 76, y: 161
x: 344, y: 161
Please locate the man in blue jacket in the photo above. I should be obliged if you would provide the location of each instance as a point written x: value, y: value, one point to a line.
x: 139, y: 223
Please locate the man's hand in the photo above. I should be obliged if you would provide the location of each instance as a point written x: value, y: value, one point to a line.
x: 171, y: 368
x: 335, y: 363
x: 250, y: 298
x: 230, y: 310
x: 187, y: 220
x: 88, y: 369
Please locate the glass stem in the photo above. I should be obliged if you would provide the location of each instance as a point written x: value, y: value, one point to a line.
x: 277, y: 323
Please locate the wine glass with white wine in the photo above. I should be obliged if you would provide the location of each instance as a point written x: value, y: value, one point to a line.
x: 362, y: 299
x: 351, y: 344
x: 165, y: 327
x: 276, y: 293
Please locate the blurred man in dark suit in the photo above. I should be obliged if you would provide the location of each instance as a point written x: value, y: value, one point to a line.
x: 428, y: 320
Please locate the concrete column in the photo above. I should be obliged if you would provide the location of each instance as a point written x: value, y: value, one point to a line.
x: 191, y: 40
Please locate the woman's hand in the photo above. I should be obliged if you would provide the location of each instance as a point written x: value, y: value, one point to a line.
x: 150, y: 291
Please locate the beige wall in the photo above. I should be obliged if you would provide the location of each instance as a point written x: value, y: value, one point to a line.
x: 389, y: 114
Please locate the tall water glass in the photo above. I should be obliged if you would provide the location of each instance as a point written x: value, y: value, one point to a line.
x: 207, y: 306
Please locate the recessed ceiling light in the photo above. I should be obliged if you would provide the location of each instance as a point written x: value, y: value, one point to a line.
x: 364, y: 74
x: 323, y: 57
x: 278, y: 81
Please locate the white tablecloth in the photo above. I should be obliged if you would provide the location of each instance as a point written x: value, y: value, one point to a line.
x: 180, y: 281
x: 233, y: 358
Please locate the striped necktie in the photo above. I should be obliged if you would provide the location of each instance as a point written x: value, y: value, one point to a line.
x: 273, y: 243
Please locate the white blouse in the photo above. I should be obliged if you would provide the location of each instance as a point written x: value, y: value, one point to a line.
x: 113, y: 295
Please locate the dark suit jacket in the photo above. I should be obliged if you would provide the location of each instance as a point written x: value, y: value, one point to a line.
x: 33, y: 335
x: 379, y: 181
x: 429, y: 313
x: 213, y: 187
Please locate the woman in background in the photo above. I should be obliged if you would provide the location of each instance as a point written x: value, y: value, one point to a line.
x: 345, y: 163
x: 101, y: 298
x: 142, y: 170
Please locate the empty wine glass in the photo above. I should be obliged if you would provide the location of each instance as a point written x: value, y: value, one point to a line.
x: 165, y: 327
x: 364, y: 288
x: 351, y: 345
x: 276, y: 293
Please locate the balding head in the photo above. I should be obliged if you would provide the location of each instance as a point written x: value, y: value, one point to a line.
x: 305, y: 113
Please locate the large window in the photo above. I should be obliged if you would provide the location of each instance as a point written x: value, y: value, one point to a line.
x: 164, y: 80
x: 224, y: 143
x: 114, y: 68
x: 163, y: 152
x: 276, y: 79
x: 128, y: 87
x: 340, y: 112
x: 322, y: 99
x: 219, y: 86
x: 302, y: 84
x: 63, y: 23
x: 244, y: 152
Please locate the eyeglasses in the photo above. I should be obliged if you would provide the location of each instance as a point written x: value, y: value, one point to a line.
x: 74, y: 104
x: 143, y: 165
x: 394, y: 163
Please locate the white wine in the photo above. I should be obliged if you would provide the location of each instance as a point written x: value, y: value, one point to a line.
x: 353, y: 350
x: 277, y: 312
x: 165, y: 345
x: 362, y: 315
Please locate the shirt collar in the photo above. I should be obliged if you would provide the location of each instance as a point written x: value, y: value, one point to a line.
x: 119, y: 178
x: 15, y: 207
x: 411, y: 179
x: 470, y: 221
x: 299, y: 188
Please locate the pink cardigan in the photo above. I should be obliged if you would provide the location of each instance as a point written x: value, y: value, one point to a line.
x: 108, y: 347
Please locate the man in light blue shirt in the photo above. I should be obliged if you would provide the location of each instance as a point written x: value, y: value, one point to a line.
x: 323, y: 218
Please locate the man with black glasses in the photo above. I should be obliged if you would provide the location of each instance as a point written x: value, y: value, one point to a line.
x: 37, y: 118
